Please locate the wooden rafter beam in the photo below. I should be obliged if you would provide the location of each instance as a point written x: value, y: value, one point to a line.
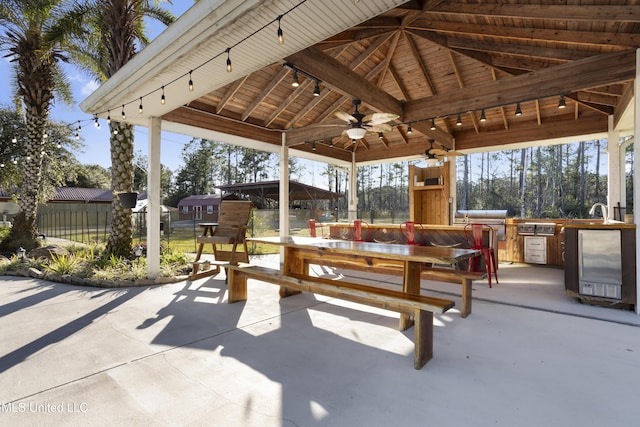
x: 532, y: 34
x: 344, y: 80
x: 565, y: 78
x: 592, y: 13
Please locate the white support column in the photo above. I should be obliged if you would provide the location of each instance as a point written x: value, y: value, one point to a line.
x: 613, y: 158
x: 353, y: 189
x: 284, y: 187
x: 636, y: 173
x: 283, y: 195
x: 153, y: 199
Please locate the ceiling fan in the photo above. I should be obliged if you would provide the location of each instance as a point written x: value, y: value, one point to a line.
x: 433, y: 155
x: 359, y: 124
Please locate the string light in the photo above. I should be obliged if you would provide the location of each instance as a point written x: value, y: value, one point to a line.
x: 14, y: 139
x: 459, y: 120
x: 483, y: 117
x: 433, y: 124
x: 190, y: 82
x: 294, y: 81
x: 518, y: 110
x: 108, y: 117
x: 409, y: 129
x: 279, y: 32
x: 316, y: 89
x: 140, y: 109
x: 96, y: 122
x: 562, y: 103
x: 124, y: 116
x: 229, y: 67
x: 162, y: 98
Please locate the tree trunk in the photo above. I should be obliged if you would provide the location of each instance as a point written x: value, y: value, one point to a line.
x: 523, y: 182
x: 32, y: 172
x: 120, y: 239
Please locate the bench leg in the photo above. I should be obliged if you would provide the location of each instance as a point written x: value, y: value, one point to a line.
x: 466, y: 297
x: 237, y: 286
x: 423, y: 338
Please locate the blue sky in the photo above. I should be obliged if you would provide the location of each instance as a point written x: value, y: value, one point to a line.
x: 96, y: 141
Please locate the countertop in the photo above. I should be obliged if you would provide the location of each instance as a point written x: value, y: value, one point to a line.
x: 599, y: 225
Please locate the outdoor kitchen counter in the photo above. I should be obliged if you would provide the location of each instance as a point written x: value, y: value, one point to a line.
x: 599, y: 225
x: 425, y: 234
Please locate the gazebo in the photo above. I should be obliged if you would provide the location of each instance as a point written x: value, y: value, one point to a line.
x: 470, y: 76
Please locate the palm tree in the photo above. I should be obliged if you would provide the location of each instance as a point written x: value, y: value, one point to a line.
x: 115, y: 29
x: 32, y: 39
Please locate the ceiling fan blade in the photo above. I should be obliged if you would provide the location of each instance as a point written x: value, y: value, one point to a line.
x: 438, y: 151
x: 345, y: 116
x: 379, y: 118
x: 453, y: 153
x: 381, y: 127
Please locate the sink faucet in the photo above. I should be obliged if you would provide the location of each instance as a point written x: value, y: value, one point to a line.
x: 604, y: 209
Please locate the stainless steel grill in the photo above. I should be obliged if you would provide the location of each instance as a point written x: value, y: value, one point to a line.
x: 536, y: 229
x: 494, y: 218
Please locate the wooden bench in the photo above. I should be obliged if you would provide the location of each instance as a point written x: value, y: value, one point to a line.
x: 420, y: 307
x: 440, y: 274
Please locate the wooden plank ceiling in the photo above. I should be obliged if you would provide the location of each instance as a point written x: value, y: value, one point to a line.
x: 437, y: 62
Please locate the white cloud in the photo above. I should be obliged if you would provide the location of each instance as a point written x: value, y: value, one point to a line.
x: 89, y: 87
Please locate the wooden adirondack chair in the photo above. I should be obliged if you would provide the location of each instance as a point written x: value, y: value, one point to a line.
x: 229, y: 230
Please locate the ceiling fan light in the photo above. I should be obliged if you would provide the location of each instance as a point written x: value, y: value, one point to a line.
x: 356, y: 133
x: 431, y: 161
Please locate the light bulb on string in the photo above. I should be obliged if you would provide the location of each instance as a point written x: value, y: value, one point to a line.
x: 108, y: 117
x: 229, y: 67
x: 124, y: 116
x: 279, y: 32
x: 14, y: 140
x: 140, y: 109
x: 190, y: 82
x: 162, y: 98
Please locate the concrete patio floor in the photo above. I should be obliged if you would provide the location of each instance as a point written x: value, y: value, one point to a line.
x: 178, y: 354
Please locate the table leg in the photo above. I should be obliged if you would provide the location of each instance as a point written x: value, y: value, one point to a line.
x: 292, y: 264
x: 410, y: 284
x: 466, y: 297
x: 237, y: 286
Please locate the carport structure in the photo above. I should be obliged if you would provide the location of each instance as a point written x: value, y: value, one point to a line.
x: 224, y: 75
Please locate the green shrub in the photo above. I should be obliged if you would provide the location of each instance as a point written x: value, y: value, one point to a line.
x: 63, y: 264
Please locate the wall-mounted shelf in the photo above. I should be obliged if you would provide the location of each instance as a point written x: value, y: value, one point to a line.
x: 429, y: 204
x: 428, y: 187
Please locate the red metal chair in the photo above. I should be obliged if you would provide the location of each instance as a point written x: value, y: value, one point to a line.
x: 358, y: 225
x: 409, y: 231
x: 473, y: 233
x: 314, y: 226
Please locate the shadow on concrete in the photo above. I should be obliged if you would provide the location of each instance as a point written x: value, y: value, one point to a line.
x: 21, y: 354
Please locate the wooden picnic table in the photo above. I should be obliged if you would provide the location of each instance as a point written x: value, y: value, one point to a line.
x: 300, y: 252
